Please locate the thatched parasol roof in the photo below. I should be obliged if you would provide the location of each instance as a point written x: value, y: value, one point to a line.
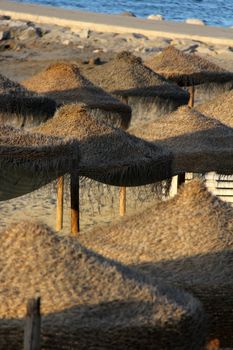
x: 178, y: 221
x: 187, y: 69
x: 87, y: 300
x: 20, y: 107
x: 220, y: 108
x: 28, y: 161
x: 65, y: 84
x: 8, y: 86
x: 198, y: 143
x: 109, y: 155
x: 25, y: 111
x: 186, y: 241
x: 126, y: 75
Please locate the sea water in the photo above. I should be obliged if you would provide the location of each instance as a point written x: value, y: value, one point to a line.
x: 213, y: 12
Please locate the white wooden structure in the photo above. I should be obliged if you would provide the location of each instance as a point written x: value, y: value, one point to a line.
x: 220, y: 185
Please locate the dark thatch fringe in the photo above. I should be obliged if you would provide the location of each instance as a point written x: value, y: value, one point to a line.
x: 109, y: 155
x: 138, y: 80
x: 25, y: 111
x: 197, y: 143
x: 187, y: 69
x: 28, y: 161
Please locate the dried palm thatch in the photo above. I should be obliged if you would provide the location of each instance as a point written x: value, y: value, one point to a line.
x: 189, y: 69
x: 87, y: 300
x: 187, y: 242
x: 8, y: 86
x: 127, y: 77
x: 29, y: 161
x: 198, y: 143
x: 109, y: 155
x: 220, y: 108
x: 65, y: 84
x: 25, y: 111
x: 20, y: 107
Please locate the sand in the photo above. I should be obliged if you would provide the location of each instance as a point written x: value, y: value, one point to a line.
x: 99, y: 205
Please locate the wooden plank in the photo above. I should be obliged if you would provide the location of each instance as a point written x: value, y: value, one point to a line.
x: 32, y: 325
x: 226, y: 199
x: 223, y: 192
x: 228, y: 185
x: 217, y: 177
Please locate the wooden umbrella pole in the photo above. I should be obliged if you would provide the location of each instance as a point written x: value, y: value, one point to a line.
x: 191, y: 98
x: 177, y: 181
x: 74, y: 201
x: 33, y: 325
x: 122, y: 201
x: 60, y: 189
x: 125, y: 99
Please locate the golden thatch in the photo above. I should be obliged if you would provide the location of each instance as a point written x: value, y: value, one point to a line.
x: 28, y: 161
x: 197, y: 143
x: 108, y: 154
x: 65, y: 84
x: 187, y: 69
x: 186, y: 241
x: 220, y: 108
x: 126, y: 76
x: 88, y: 301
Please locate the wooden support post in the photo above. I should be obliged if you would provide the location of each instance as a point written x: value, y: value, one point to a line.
x: 125, y: 99
x: 177, y: 181
x: 122, y: 201
x: 174, y: 186
x: 191, y: 98
x: 32, y: 325
x: 74, y: 201
x: 60, y: 188
x: 213, y: 344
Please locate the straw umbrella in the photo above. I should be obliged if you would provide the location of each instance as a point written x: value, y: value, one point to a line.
x: 186, y: 241
x: 109, y: 155
x: 198, y: 143
x: 148, y: 94
x: 8, y: 86
x: 207, y: 78
x: 22, y: 108
x: 29, y: 161
x: 65, y: 84
x: 145, y: 91
x: 25, y: 111
x: 87, y: 300
x: 220, y: 108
